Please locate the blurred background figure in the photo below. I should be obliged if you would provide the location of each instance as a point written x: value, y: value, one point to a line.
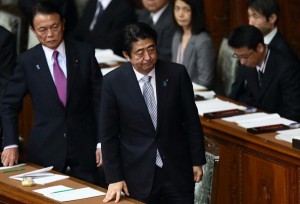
x: 192, y: 45
x: 158, y: 14
x: 102, y: 22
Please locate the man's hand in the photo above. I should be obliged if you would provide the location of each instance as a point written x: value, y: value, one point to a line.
x: 114, y: 190
x: 198, y: 173
x: 10, y: 156
x: 98, y: 157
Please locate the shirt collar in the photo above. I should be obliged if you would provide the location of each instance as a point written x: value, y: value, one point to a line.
x: 61, y: 49
x: 155, y: 16
x: 139, y: 76
x: 269, y: 37
x: 105, y: 3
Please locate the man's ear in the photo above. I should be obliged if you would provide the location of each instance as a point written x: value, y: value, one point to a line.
x: 273, y: 18
x: 260, y: 48
x: 126, y: 55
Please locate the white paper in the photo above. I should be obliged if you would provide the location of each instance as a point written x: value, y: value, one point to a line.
x: 75, y: 194
x: 198, y: 87
x: 248, y: 117
x: 52, y: 189
x: 288, y: 135
x: 30, y: 173
x: 107, y: 56
x: 266, y: 122
x: 215, y: 105
x: 206, y: 94
x: 107, y: 70
x: 9, y: 167
x: 46, y: 179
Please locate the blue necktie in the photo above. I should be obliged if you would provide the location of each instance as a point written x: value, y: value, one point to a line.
x: 148, y: 94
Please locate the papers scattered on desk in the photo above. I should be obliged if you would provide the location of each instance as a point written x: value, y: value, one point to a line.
x: 198, y: 87
x: 9, y: 167
x: 215, y: 105
x: 106, y: 70
x: 206, y: 94
x: 74, y: 194
x: 258, y: 120
x: 288, y: 135
x: 107, y: 56
x: 52, y: 189
x: 41, y: 176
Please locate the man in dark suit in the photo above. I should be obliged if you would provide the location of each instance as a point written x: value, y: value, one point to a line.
x: 264, y: 15
x: 64, y: 82
x: 159, y: 14
x: 105, y: 31
x: 8, y: 62
x: 152, y: 149
x: 271, y: 76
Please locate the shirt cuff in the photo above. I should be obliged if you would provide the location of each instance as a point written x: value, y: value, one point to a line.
x: 10, y: 146
x: 98, y: 145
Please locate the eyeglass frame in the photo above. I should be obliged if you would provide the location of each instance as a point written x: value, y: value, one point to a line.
x: 244, y: 56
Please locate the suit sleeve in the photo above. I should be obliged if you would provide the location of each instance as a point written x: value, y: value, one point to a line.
x: 12, y: 104
x: 110, y: 134
x: 191, y: 121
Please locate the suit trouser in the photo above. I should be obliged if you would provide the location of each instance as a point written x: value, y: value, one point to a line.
x: 165, y: 191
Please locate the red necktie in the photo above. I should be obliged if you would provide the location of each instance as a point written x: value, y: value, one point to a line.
x: 60, y: 80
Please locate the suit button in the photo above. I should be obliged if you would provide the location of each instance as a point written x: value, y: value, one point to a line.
x: 65, y: 135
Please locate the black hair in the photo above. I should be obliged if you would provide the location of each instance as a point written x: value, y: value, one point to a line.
x: 245, y: 36
x: 135, y: 32
x: 264, y: 7
x: 44, y: 7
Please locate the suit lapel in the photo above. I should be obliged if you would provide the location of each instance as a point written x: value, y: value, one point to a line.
x: 44, y: 71
x: 162, y: 86
x: 188, y: 51
x: 268, y: 75
x: 72, y: 63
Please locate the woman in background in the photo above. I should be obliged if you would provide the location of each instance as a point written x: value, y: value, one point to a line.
x: 192, y: 45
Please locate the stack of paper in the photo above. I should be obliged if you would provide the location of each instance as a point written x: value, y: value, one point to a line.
x: 258, y: 120
x: 198, y: 87
x: 40, y: 176
x: 215, y: 105
x: 107, y: 56
x: 62, y: 193
x: 288, y: 135
x: 206, y: 94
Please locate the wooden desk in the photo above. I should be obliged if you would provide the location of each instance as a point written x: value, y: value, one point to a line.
x: 252, y: 168
x: 12, y: 192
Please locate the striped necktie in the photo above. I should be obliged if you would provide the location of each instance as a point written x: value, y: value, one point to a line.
x: 148, y: 94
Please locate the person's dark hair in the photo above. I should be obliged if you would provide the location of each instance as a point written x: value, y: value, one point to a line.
x: 44, y: 7
x: 265, y: 7
x: 245, y: 36
x: 135, y: 32
x: 198, y: 19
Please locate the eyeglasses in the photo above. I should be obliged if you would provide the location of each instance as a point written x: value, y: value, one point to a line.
x: 243, y: 56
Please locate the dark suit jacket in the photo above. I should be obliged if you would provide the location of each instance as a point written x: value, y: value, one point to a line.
x: 129, y: 138
x: 238, y: 87
x: 107, y: 31
x: 57, y: 130
x: 280, y: 90
x: 7, y: 58
x: 165, y: 30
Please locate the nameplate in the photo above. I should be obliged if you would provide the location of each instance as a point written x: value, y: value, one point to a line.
x: 267, y: 129
x: 296, y: 143
x: 223, y: 114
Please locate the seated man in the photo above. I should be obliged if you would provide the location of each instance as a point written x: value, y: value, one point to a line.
x: 264, y: 15
x: 271, y: 76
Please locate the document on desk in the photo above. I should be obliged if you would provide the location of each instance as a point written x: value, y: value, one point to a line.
x: 107, y: 56
x: 205, y: 94
x: 288, y: 135
x: 258, y: 120
x: 10, y: 167
x: 216, y: 104
x: 52, y: 189
x: 198, y: 87
x: 74, y: 194
x: 41, y: 176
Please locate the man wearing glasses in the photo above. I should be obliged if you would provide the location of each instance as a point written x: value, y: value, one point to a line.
x: 271, y: 76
